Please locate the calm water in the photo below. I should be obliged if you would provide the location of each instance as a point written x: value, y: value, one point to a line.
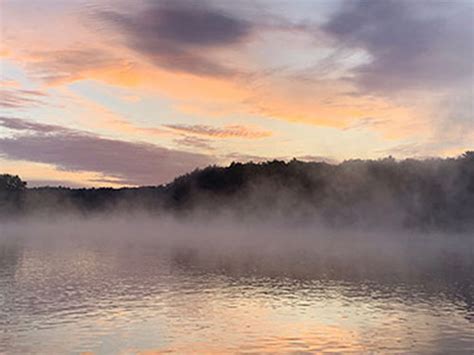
x: 143, y: 298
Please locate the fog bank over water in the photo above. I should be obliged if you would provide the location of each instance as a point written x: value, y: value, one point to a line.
x: 274, y: 244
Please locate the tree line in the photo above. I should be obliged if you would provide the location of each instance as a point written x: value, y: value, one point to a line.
x: 431, y: 193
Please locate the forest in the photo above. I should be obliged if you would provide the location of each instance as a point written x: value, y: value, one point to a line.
x: 429, y: 194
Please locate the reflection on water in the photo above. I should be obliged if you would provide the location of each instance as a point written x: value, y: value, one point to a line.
x: 144, y: 299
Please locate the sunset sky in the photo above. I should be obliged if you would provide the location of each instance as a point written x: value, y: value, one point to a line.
x: 116, y: 93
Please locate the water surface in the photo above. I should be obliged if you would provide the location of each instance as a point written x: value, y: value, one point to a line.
x: 90, y: 296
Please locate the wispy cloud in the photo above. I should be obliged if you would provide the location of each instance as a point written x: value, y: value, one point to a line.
x: 194, y: 142
x: 230, y: 131
x: 71, y: 64
x: 367, y: 122
x: 25, y: 125
x: 13, y: 98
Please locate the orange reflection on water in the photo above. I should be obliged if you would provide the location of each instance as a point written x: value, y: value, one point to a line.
x: 291, y: 337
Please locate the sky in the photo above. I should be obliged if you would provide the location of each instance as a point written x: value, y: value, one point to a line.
x: 126, y: 93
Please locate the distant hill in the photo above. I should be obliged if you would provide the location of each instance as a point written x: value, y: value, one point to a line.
x: 428, y: 194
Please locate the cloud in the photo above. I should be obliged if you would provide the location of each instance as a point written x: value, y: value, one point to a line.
x: 194, y: 142
x: 413, y: 44
x: 5, y: 83
x: 230, y: 131
x: 367, y: 122
x: 125, y: 162
x: 24, y: 125
x: 13, y: 98
x: 72, y: 64
x: 178, y: 35
x: 421, y: 56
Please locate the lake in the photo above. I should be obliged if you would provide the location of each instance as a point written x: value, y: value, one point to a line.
x: 94, y: 295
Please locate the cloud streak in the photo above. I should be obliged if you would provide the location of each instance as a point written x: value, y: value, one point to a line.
x: 194, y: 142
x: 230, y: 131
x: 13, y: 98
x: 131, y: 163
x: 24, y: 125
x: 72, y: 64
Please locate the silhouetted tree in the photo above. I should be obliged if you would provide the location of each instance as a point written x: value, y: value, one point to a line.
x: 11, y: 193
x: 11, y: 183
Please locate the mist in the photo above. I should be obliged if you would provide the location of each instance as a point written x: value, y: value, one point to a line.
x: 249, y: 251
x: 271, y: 247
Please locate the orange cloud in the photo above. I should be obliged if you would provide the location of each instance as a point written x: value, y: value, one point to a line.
x: 9, y: 84
x: 229, y: 131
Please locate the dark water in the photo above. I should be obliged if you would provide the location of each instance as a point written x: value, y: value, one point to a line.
x: 129, y: 298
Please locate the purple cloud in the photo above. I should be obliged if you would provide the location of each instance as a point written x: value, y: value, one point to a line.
x: 413, y: 44
x: 24, y: 125
x: 126, y: 162
x: 177, y: 35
